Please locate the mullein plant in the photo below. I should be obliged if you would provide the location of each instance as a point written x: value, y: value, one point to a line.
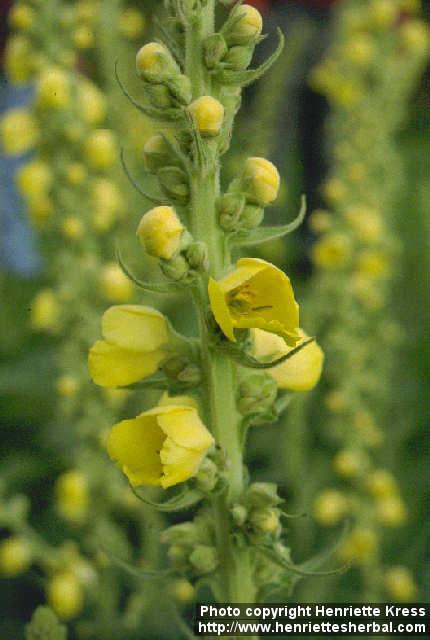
x: 73, y: 199
x: 368, y: 76
x: 249, y: 351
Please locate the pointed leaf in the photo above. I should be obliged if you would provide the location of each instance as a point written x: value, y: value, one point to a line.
x: 134, y: 184
x: 248, y: 76
x: 299, y: 569
x: 159, y: 574
x: 264, y: 234
x: 246, y: 360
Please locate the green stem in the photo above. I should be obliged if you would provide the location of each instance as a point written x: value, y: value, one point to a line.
x: 219, y: 372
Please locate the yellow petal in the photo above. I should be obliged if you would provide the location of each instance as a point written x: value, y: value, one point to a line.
x: 179, y: 464
x: 183, y: 401
x: 112, y: 366
x: 220, y: 308
x: 184, y: 426
x: 135, y: 327
x: 135, y: 444
x: 302, y: 372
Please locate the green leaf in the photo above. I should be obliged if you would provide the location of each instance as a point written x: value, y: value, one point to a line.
x: 134, y: 184
x: 246, y: 360
x: 264, y: 234
x: 247, y: 77
x: 151, y: 287
x: 160, y: 574
x: 301, y: 570
x: 183, y: 500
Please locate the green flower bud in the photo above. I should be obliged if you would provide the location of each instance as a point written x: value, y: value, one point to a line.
x: 214, y: 49
x: 207, y: 475
x: 244, y: 26
x: 257, y: 393
x: 159, y: 96
x: 251, y: 216
x: 204, y: 559
x: 157, y: 154
x: 178, y: 556
x: 230, y: 207
x: 197, y: 256
x: 174, y: 183
x: 182, y: 369
x: 185, y: 533
x: 266, y: 521
x: 238, y: 58
x: 176, y: 268
x: 44, y: 625
x: 263, y: 494
x: 239, y: 514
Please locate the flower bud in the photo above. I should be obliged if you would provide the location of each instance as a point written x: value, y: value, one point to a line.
x: 44, y: 625
x: 178, y: 557
x: 72, y: 227
x: 349, y: 463
x: 114, y: 284
x: 53, y: 89
x: 329, y: 507
x: 263, y: 494
x: 182, y: 369
x: 18, y: 60
x: 160, y: 232
x: 159, y: 96
x: 131, y: 23
x: 157, y: 154
x: 184, y: 534
x: 76, y: 173
x: 400, y: 585
x: 257, y: 393
x: 100, y: 149
x: 251, y: 217
x: 174, y: 183
x: 260, y: 180
x: 265, y: 521
x: 176, y: 269
x: 15, y: 556
x: 414, y: 36
x: 391, y: 511
x: 229, y: 207
x: 331, y: 251
x: 45, y: 311
x: 238, y: 58
x: 64, y: 594
x: 34, y: 179
x: 91, y: 103
x: 67, y: 386
x: 19, y: 131
x: 154, y: 62
x: 83, y: 37
x: 183, y: 591
x: 71, y: 493
x: 381, y: 484
x: 207, y: 475
x: 197, y: 256
x: 382, y: 13
x: 204, y: 559
x: 244, y: 25
x: 180, y: 88
x: 208, y: 115
x: 239, y: 514
x: 214, y: 49
x: 360, y: 545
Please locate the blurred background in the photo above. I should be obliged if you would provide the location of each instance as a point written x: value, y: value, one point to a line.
x: 345, y: 116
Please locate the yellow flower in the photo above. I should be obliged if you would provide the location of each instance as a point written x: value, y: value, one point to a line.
x: 334, y: 190
x: 329, y: 507
x: 160, y: 232
x: 71, y: 493
x: 92, y: 103
x: 382, y: 12
x: 18, y: 131
x: 183, y: 591
x: 391, y: 511
x: 414, y: 35
x: 247, y: 26
x: 255, y: 295
x: 15, y: 556
x: 381, y: 484
x: 154, y: 58
x: 400, y: 585
x: 183, y: 401
x: 34, y: 179
x: 18, y: 59
x: 372, y: 264
x: 107, y: 203
x: 83, y: 37
x: 53, y: 89
x: 64, y: 592
x: 302, y: 372
x: 67, y: 385
x: 335, y: 401
x: 100, y: 149
x: 114, y: 284
x: 40, y: 209
x: 331, y: 251
x: 162, y: 446
x: 366, y: 223
x: 21, y: 17
x: 134, y: 345
x: 208, y: 115
x: 360, y: 545
x: 76, y: 173
x: 131, y: 23
x: 360, y: 49
x: 261, y: 181
x: 45, y: 311
x: 320, y: 221
x: 349, y: 463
